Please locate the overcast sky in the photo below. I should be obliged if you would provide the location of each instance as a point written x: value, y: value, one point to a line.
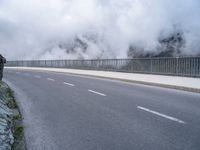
x: 33, y: 29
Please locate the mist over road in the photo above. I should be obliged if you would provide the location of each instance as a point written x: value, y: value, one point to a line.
x: 72, y: 112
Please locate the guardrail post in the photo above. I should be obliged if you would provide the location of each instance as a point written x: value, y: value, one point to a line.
x: 151, y: 65
x: 177, y: 65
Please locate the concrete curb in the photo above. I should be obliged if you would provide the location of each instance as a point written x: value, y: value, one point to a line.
x: 183, y: 88
x: 139, y: 82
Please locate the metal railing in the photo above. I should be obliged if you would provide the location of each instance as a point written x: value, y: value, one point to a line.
x: 185, y: 66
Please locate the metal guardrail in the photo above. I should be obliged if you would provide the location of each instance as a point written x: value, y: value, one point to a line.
x: 186, y: 66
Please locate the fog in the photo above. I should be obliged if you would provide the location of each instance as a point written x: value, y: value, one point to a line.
x: 91, y: 29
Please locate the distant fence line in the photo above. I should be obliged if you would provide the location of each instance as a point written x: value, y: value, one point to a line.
x: 187, y: 66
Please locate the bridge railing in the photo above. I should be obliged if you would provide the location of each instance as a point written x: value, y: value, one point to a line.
x: 183, y: 66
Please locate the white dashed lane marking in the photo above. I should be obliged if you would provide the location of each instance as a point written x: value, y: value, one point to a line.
x: 161, y: 115
x: 50, y: 79
x: 68, y: 84
x: 98, y: 93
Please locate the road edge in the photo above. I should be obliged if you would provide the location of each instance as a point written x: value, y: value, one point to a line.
x: 182, y: 88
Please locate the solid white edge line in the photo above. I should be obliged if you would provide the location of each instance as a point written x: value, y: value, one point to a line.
x: 161, y: 115
x: 68, y: 84
x: 50, y: 79
x: 95, y: 92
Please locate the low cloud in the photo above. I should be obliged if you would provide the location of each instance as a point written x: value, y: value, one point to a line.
x: 89, y: 29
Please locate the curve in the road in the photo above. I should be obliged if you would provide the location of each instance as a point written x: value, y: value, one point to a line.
x: 71, y: 112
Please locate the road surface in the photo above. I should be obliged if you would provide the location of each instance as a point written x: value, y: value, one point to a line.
x: 67, y: 112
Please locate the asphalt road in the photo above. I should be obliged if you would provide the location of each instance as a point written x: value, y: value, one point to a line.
x: 66, y: 112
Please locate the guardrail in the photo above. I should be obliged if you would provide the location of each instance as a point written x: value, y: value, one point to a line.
x: 185, y: 66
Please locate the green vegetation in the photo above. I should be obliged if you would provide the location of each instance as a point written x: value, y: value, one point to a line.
x: 17, y: 118
x: 10, y: 99
x: 18, y: 129
x: 19, y: 138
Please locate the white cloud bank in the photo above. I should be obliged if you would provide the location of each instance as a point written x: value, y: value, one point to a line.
x: 47, y: 29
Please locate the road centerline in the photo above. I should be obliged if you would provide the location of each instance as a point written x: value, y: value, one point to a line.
x: 66, y: 83
x: 161, y: 115
x: 50, y: 79
x: 95, y: 92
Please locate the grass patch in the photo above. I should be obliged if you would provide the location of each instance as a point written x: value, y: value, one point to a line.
x: 18, y: 129
x: 10, y: 99
x: 17, y: 118
x: 18, y: 133
x: 18, y: 138
x: 10, y: 92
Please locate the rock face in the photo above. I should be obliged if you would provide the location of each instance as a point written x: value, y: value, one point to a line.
x: 171, y: 46
x: 6, y: 116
